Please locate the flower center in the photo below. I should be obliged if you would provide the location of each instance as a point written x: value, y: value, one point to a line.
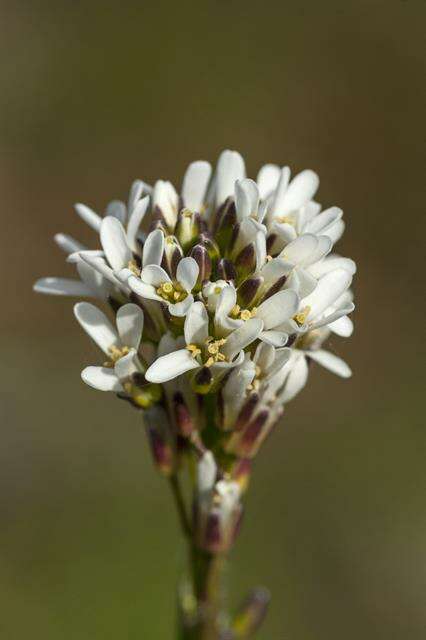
x: 242, y: 314
x: 209, y: 352
x: 172, y: 292
x: 300, y: 317
x: 115, y: 353
x: 285, y: 220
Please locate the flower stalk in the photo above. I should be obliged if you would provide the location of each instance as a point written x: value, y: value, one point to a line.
x: 216, y: 301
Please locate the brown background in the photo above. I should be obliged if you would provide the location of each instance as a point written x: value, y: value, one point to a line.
x: 94, y: 94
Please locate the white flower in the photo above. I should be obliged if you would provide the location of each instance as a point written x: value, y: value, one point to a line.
x: 119, y: 344
x: 204, y: 350
x: 155, y: 284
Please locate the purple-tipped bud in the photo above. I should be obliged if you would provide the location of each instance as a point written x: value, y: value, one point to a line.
x: 226, y: 270
x: 245, y: 262
x: 251, y: 613
x: 277, y: 286
x: 226, y: 226
x: 202, y: 258
x: 246, y: 412
x: 210, y: 245
x: 182, y: 414
x: 270, y: 241
x: 248, y: 290
x: 172, y: 255
x: 241, y: 472
x: 162, y: 451
x: 246, y: 443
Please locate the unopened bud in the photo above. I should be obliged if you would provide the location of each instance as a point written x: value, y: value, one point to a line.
x: 160, y: 439
x: 247, y: 291
x: 187, y: 228
x: 240, y: 472
x: 210, y: 245
x: 172, y: 255
x: 277, y: 286
x: 202, y: 258
x: 245, y: 262
x: 246, y: 412
x: 246, y: 443
x: 251, y: 613
x: 226, y: 225
x: 226, y: 270
x: 183, y: 416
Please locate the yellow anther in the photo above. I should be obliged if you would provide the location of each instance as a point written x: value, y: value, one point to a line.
x: 213, y: 348
x: 170, y: 240
x: 300, y: 317
x: 269, y: 258
x: 245, y: 314
x: 115, y: 353
x: 167, y: 287
x: 217, y: 290
x: 235, y: 311
x: 209, y: 362
x: 194, y: 350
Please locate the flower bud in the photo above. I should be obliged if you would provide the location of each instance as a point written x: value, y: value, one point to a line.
x: 210, y: 245
x: 182, y: 414
x: 202, y: 258
x: 218, y: 516
x: 226, y: 225
x: 246, y: 443
x: 144, y: 394
x: 160, y: 439
x: 226, y: 270
x: 245, y: 262
x: 247, y: 291
x: 187, y: 228
x: 172, y: 255
x: 252, y: 613
x: 246, y: 412
x: 240, y: 472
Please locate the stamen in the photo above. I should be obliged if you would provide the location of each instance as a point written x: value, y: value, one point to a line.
x: 300, y: 317
x: 134, y: 268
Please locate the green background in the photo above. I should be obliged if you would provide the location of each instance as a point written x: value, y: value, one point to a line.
x: 95, y: 94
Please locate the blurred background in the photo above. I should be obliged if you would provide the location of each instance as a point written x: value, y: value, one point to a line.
x: 95, y: 94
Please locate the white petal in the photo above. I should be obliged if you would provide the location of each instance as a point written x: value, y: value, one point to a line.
x: 187, y: 273
x: 154, y: 275
x: 117, y: 209
x: 134, y: 223
x: 76, y: 257
x: 96, y: 325
x: 242, y: 337
x: 68, y: 244
x: 330, y: 263
x: 278, y: 308
x: 153, y: 248
x: 89, y: 216
x: 246, y: 198
x: 324, y: 247
x: 180, y: 309
x: 171, y: 366
x: 93, y: 279
x: 285, y: 231
x: 62, y: 287
x: 114, y: 243
x: 299, y: 251
x: 300, y: 190
x: 267, y: 179
x: 230, y: 168
x: 101, y: 378
x: 335, y: 231
x: 277, y: 204
x: 301, y: 281
x: 264, y: 356
x: 136, y: 191
x: 331, y: 362
x: 129, y: 321
x: 274, y: 338
x: 195, y: 184
x: 343, y: 327
x: 327, y: 291
x: 296, y: 378
x: 101, y: 267
x: 318, y: 224
x: 166, y: 199
x: 334, y: 315
x: 142, y: 289
x: 126, y: 365
x: 196, y: 327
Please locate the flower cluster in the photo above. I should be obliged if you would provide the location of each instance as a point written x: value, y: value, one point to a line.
x: 220, y: 297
